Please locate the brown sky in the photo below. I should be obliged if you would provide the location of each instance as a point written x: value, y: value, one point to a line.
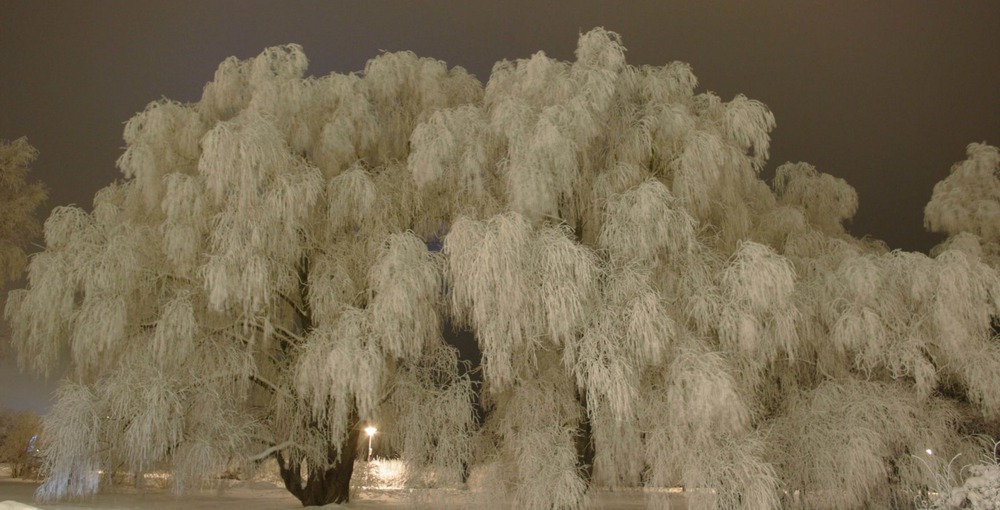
x: 883, y: 93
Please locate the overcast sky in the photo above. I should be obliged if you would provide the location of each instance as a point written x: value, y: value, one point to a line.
x: 885, y: 94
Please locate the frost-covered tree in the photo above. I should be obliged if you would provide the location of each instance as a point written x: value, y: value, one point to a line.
x: 254, y: 286
x: 650, y: 312
x: 19, y: 201
x: 966, y: 205
x: 624, y: 268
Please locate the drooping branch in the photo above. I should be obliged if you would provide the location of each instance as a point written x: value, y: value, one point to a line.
x: 265, y: 384
x: 295, y: 305
x: 272, y: 450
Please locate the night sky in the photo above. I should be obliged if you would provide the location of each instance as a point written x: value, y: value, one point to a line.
x: 885, y: 94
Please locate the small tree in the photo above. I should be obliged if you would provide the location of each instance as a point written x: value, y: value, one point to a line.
x: 966, y: 205
x: 19, y: 201
x: 18, y: 435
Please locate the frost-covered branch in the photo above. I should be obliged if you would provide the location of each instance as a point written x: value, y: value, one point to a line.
x: 271, y: 450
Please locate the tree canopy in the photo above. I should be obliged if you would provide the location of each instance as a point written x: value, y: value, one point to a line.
x: 19, y: 200
x: 265, y: 280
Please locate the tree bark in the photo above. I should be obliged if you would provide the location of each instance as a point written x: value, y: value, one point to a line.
x: 323, y: 485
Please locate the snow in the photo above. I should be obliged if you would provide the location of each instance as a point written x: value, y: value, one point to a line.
x: 383, y: 487
x: 18, y: 495
x: 980, y: 491
x: 14, y: 505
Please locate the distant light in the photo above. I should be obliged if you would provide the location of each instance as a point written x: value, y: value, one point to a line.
x: 929, y: 451
x: 371, y: 432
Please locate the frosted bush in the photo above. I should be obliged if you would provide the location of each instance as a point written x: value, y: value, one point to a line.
x: 980, y: 488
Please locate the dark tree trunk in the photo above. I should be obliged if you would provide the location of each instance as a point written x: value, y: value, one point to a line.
x: 585, y: 443
x: 322, y: 486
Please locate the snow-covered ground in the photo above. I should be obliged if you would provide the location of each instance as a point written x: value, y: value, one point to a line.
x: 17, y: 495
x: 251, y: 495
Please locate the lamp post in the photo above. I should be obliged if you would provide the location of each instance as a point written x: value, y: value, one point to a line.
x: 371, y: 432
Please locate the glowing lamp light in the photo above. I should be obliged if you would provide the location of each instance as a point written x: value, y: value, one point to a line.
x: 371, y: 432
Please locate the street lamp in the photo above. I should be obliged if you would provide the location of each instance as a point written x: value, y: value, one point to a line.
x: 371, y: 432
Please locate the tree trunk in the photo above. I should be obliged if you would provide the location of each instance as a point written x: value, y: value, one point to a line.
x: 585, y: 442
x: 323, y: 485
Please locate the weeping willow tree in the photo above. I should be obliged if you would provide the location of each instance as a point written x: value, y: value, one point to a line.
x: 255, y: 287
x: 679, y: 321
x: 19, y: 200
x: 649, y: 311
